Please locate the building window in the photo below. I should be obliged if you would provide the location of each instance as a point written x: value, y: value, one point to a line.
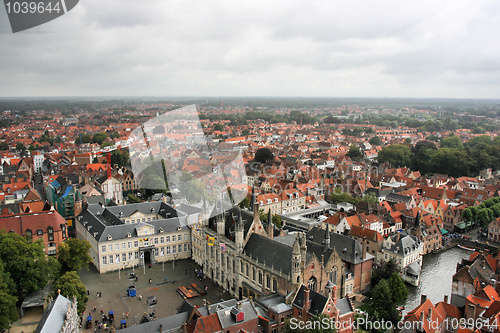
x: 129, y: 244
x: 123, y: 246
x: 50, y: 230
x: 104, y: 260
x: 268, y: 281
x: 156, y: 251
x: 167, y: 249
x: 275, y: 285
x: 167, y: 239
x: 110, y: 248
x: 103, y: 248
x: 162, y: 240
x: 260, y: 278
x: 124, y: 257
x: 185, y: 236
x: 117, y: 257
x: 179, y: 237
x: 111, y: 259
x: 156, y: 240
x: 136, y: 255
x: 180, y: 248
x: 136, y: 243
x: 130, y: 255
x: 174, y: 249
x: 254, y: 275
x: 186, y: 248
x: 39, y: 232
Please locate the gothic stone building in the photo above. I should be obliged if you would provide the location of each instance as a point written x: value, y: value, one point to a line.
x: 251, y: 258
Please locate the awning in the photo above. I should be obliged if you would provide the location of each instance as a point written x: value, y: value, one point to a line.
x: 444, y: 231
x: 461, y: 225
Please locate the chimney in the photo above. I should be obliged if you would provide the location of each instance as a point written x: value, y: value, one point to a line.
x: 446, y: 298
x: 307, y: 304
x: 423, y: 298
x: 161, y: 328
x: 422, y: 320
x: 430, y: 314
x: 256, y: 215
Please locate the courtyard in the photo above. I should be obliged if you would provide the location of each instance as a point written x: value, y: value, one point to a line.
x: 165, y: 279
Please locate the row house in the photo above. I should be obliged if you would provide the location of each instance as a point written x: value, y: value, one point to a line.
x: 47, y: 225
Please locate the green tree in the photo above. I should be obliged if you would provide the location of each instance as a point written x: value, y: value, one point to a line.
x: 421, y: 155
x: 4, y: 146
x: 277, y: 220
x: 380, y: 305
x: 483, y: 216
x: 396, y: 155
x: 70, y: 285
x: 8, y: 309
x: 354, y: 151
x: 99, y: 137
x: 375, y: 141
x: 20, y: 146
x: 398, y: 289
x: 467, y: 214
x: 218, y: 127
x: 245, y: 203
x: 263, y: 155
x: 26, y: 262
x: 384, y: 271
x: 452, y: 142
x: 451, y: 161
x: 83, y: 138
x: 73, y: 254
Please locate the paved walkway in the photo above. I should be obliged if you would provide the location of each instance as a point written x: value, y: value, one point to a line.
x: 113, y: 287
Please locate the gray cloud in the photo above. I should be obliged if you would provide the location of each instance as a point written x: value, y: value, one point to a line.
x: 291, y: 48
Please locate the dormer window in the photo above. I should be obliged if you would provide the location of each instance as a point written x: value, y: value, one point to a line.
x: 129, y: 235
x: 160, y: 230
x: 152, y: 209
x: 109, y: 237
x: 178, y: 227
x: 95, y: 234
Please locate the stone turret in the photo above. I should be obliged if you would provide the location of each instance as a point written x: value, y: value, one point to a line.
x: 239, y: 233
x: 326, y: 242
x: 296, y: 263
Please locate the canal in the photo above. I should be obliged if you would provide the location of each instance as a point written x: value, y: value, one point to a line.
x: 436, y: 277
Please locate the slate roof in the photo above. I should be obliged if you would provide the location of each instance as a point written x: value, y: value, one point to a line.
x: 170, y: 323
x: 344, y: 306
x: 349, y: 249
x: 104, y: 221
x: 317, y: 301
x: 272, y: 253
x: 54, y: 317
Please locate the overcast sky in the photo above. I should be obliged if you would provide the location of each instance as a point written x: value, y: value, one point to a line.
x: 352, y: 48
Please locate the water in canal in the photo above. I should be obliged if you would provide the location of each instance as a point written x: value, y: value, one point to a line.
x: 436, y: 277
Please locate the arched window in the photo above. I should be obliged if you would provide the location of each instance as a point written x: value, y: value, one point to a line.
x: 312, y: 283
x: 333, y: 275
x: 50, y: 231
